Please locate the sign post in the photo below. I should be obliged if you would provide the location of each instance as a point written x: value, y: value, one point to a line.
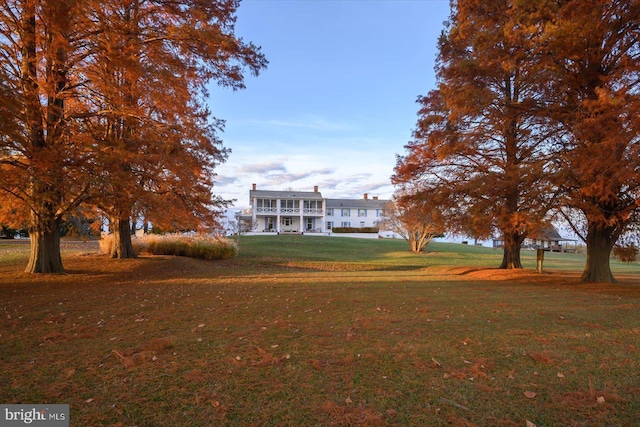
x: 539, y: 259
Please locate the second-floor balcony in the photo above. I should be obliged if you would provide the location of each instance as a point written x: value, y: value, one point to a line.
x: 288, y: 211
x: 262, y: 210
x: 312, y: 211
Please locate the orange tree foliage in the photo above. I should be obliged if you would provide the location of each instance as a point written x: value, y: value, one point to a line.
x: 537, y: 108
x: 105, y: 106
x: 479, y: 147
x: 162, y: 144
x: 416, y: 220
x: 592, y: 64
x: 42, y: 166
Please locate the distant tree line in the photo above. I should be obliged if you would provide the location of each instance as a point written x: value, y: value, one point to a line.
x: 536, y: 116
x: 102, y: 110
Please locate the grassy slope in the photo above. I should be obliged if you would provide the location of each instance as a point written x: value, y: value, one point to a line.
x: 394, y: 253
x: 322, y: 331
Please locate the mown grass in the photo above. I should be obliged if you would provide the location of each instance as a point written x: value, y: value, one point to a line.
x: 304, y: 330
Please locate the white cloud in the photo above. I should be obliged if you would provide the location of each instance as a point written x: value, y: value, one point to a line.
x: 263, y: 168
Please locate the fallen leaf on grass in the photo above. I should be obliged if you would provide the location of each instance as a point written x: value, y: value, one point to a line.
x: 592, y: 390
x: 348, y: 400
x: 600, y: 400
x: 454, y: 403
x: 317, y: 365
x: 530, y: 394
x: 560, y: 375
x: 530, y: 424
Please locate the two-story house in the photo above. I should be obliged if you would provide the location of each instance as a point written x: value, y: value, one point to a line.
x: 308, y: 211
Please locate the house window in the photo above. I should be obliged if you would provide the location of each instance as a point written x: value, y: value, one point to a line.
x: 266, y: 205
x: 329, y: 225
x: 329, y: 211
x: 286, y: 221
x: 313, y: 204
x: 378, y: 213
x: 309, y: 223
x: 362, y: 212
x: 346, y: 212
x: 289, y: 206
x: 345, y: 224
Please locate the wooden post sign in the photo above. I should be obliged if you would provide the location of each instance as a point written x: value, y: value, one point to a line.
x: 539, y: 259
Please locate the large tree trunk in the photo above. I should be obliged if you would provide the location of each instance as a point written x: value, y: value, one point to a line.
x: 122, y: 246
x: 413, y: 244
x: 600, y: 241
x: 45, y: 246
x: 511, y: 251
x: 46, y: 183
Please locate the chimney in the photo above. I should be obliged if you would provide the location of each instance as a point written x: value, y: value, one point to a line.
x: 254, y: 187
x: 366, y: 196
x: 375, y: 197
x: 315, y: 188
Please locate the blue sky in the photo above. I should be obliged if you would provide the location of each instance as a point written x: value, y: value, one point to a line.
x: 337, y: 102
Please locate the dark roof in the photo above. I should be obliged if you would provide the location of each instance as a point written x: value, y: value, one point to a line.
x: 268, y: 194
x: 545, y: 233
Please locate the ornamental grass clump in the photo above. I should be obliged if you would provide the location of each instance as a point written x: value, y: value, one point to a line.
x: 201, y: 247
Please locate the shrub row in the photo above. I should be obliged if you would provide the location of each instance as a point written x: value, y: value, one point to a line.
x: 626, y: 253
x: 355, y: 229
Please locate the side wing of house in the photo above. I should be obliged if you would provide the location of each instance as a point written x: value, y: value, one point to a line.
x: 354, y: 213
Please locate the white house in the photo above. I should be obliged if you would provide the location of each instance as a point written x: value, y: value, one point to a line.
x: 546, y: 238
x: 308, y: 211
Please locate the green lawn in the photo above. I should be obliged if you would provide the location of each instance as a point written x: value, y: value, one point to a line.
x: 394, y: 253
x: 306, y: 330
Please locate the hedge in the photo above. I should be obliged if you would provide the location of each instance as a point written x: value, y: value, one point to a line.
x: 355, y: 229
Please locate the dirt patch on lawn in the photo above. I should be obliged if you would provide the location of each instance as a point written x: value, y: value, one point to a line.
x: 626, y: 285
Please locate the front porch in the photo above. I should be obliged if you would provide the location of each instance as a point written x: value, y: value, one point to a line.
x: 289, y: 224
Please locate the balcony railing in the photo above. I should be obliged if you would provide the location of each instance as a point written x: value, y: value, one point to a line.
x: 313, y: 211
x: 310, y: 211
x: 266, y: 210
x: 289, y: 210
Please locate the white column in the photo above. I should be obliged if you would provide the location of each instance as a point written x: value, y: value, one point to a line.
x: 323, y: 226
x: 301, y: 207
x: 254, y: 207
x: 278, y: 216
